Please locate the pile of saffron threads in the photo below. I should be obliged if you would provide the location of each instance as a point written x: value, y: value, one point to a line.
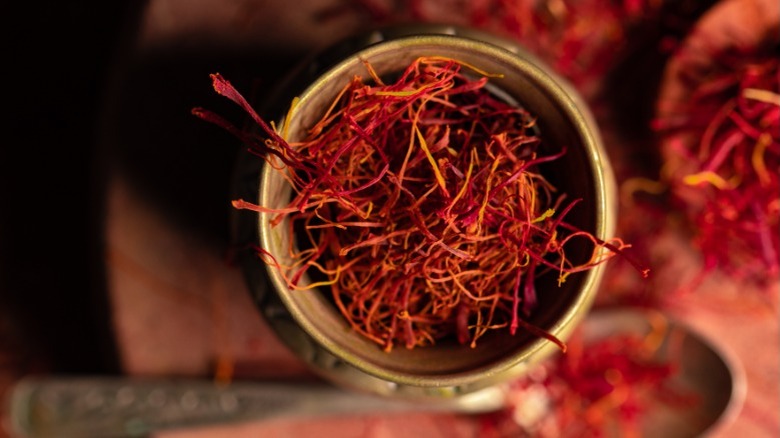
x: 722, y: 156
x: 421, y: 205
x: 599, y: 388
x: 579, y: 39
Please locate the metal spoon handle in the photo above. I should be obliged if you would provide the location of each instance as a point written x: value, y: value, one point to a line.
x: 117, y: 407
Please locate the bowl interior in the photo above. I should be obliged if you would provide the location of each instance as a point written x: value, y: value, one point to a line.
x: 581, y: 173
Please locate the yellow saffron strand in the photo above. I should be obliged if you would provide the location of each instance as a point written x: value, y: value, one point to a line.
x: 765, y: 96
x: 757, y: 159
x: 319, y: 283
x: 548, y: 213
x: 635, y: 185
x: 403, y: 93
x: 372, y: 72
x: 465, y: 64
x: 486, y: 198
x: 434, y: 165
x: 708, y: 177
x: 465, y: 186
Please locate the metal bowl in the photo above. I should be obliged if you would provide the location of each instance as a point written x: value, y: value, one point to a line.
x: 314, y: 329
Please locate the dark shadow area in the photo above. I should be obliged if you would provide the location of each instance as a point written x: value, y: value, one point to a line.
x: 52, y: 288
x: 177, y: 162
